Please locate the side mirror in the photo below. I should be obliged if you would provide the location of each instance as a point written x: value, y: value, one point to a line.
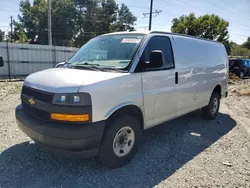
x: 1, y: 61
x: 155, y: 59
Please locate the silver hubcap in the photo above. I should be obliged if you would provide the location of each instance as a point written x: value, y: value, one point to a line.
x: 123, y: 141
x: 241, y: 74
x: 214, y: 106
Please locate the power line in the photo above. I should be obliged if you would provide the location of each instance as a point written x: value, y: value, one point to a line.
x: 138, y: 7
x: 233, y: 13
x: 8, y: 10
x: 195, y: 7
x: 239, y: 34
x: 85, y: 20
x: 88, y: 20
x: 151, y: 13
x: 141, y: 26
x: 155, y: 12
x: 16, y: 11
x: 181, y: 1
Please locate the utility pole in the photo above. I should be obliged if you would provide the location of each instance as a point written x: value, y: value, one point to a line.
x: 11, y: 28
x: 49, y: 23
x: 151, y: 13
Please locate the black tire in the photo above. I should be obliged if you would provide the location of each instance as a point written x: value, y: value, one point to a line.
x: 208, y: 112
x: 106, y: 153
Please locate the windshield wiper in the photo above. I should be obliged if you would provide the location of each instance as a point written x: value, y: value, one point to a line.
x: 93, y: 66
x: 90, y: 66
x: 115, y: 69
x: 86, y: 63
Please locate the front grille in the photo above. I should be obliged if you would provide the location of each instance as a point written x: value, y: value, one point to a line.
x: 37, y: 94
x: 43, y: 115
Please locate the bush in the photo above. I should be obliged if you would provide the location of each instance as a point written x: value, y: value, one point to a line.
x: 233, y: 77
x: 240, y: 51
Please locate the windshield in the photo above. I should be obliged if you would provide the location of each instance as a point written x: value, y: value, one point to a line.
x: 110, y: 51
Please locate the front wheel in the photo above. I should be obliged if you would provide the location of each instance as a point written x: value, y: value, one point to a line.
x: 211, y: 110
x: 120, y: 142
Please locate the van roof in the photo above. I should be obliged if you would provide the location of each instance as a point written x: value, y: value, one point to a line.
x: 160, y: 32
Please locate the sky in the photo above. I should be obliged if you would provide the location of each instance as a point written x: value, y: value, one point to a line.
x: 237, y: 12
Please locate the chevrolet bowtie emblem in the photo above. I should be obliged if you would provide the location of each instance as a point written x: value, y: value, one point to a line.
x: 31, y: 101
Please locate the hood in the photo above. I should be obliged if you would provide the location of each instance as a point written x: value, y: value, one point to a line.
x: 63, y: 80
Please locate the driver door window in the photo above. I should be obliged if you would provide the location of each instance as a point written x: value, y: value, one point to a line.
x: 163, y: 44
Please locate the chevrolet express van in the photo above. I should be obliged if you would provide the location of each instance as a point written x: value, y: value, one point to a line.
x: 117, y: 85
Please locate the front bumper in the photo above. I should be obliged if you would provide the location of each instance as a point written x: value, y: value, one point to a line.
x: 83, y: 139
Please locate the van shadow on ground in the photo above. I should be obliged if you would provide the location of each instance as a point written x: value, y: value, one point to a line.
x: 164, y: 150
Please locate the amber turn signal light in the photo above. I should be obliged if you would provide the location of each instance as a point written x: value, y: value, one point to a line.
x: 70, y: 117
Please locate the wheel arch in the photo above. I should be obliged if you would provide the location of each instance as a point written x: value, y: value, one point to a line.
x: 217, y: 89
x: 130, y: 108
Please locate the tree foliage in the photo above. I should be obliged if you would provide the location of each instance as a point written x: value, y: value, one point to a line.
x: 73, y: 21
x: 208, y: 26
x: 2, y: 34
x: 97, y: 17
x: 34, y: 19
x: 125, y: 19
x: 19, y: 34
x: 240, y: 51
x: 247, y: 43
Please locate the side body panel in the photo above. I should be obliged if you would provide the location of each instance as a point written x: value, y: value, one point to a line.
x: 159, y: 96
x: 201, y: 65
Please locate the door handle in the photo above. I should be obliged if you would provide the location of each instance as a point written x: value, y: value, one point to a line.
x: 176, y: 77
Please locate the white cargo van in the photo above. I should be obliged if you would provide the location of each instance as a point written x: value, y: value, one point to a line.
x: 117, y: 85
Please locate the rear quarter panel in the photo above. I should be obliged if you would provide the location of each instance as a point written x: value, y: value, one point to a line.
x: 202, y: 65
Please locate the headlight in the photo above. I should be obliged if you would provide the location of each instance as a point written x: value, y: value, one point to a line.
x: 78, y: 99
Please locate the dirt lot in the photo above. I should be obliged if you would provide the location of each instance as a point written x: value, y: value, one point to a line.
x: 186, y: 152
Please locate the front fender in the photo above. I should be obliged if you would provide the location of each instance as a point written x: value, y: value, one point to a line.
x: 117, y: 107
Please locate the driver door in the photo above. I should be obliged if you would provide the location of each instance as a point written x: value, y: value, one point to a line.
x: 159, y: 85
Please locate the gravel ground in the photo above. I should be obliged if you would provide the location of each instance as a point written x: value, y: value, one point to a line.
x: 186, y: 152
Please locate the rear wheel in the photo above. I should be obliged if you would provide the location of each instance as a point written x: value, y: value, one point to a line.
x: 241, y: 75
x: 120, y: 142
x: 211, y: 110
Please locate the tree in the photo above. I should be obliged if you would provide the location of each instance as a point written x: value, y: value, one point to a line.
x: 34, y: 19
x: 107, y: 15
x: 208, y: 26
x: 74, y: 22
x: 125, y: 20
x: 188, y: 25
x: 64, y: 26
x: 86, y: 20
x: 247, y: 43
x: 102, y: 16
x: 240, y: 51
x: 19, y: 34
x: 2, y: 34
